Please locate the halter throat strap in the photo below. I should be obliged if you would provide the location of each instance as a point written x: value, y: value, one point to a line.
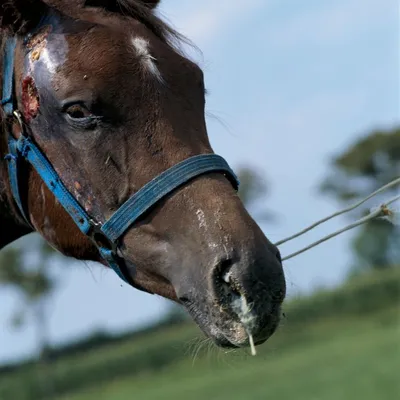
x: 105, y: 235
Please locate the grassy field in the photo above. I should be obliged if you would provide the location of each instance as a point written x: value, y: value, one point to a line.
x: 328, y: 360
x: 335, y: 345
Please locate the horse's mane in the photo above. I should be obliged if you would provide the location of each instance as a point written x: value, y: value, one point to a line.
x: 18, y: 14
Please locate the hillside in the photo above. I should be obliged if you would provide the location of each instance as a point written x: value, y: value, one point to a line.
x: 334, y: 345
x: 337, y: 359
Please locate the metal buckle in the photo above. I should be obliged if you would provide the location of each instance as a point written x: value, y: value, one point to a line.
x: 18, y: 116
x: 99, y: 238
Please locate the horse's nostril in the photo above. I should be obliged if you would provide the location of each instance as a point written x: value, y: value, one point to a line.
x: 226, y: 288
x: 225, y: 270
x: 222, y: 272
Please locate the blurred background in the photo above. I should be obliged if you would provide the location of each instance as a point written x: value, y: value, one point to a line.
x: 304, y: 104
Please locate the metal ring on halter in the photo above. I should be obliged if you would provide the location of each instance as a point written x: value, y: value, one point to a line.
x: 18, y: 117
x: 99, y: 238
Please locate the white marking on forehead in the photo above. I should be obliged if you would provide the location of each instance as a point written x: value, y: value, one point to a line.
x: 141, y: 46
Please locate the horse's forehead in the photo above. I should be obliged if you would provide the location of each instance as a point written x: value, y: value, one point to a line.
x: 108, y: 51
x: 103, y: 62
x: 99, y: 45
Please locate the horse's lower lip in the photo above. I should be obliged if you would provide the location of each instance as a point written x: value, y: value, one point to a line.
x: 222, y: 341
x: 225, y: 332
x: 211, y: 329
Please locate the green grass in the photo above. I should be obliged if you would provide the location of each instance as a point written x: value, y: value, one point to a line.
x: 329, y: 360
x: 335, y: 345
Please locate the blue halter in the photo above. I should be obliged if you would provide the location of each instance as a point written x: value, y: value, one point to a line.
x: 105, y: 235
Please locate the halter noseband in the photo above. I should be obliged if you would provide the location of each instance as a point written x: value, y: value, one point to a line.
x: 105, y: 235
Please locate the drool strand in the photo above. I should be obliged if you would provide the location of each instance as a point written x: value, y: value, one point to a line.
x: 244, y: 312
x: 252, y: 346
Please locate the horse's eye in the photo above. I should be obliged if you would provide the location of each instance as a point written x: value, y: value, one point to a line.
x: 78, y: 111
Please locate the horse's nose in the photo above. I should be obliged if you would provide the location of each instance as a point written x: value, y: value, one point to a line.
x: 251, y: 288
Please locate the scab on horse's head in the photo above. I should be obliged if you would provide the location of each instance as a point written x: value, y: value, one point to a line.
x: 112, y: 106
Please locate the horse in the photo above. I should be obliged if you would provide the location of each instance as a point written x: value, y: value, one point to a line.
x: 105, y: 153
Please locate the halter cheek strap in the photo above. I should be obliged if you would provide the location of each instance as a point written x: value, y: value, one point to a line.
x: 106, y: 236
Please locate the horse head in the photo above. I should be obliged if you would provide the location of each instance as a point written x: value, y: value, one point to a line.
x: 107, y: 106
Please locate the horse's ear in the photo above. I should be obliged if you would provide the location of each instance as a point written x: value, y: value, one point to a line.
x: 17, y: 16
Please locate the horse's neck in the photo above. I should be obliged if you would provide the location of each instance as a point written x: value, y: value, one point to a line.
x: 10, y: 226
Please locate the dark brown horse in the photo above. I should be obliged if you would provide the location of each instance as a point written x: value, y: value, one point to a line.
x: 111, y: 103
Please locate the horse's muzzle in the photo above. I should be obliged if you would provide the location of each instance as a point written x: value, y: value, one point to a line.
x: 244, y: 297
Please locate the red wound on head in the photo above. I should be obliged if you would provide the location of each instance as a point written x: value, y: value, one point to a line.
x: 30, y: 99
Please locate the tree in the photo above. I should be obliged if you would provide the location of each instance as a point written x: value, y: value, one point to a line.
x: 26, y: 268
x: 253, y: 190
x: 370, y: 163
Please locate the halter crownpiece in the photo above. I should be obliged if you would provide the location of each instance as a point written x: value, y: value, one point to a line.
x: 105, y: 236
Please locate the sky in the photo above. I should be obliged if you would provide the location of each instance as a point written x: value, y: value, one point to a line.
x: 291, y: 84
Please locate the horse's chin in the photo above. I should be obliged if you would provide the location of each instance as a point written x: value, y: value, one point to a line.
x: 233, y: 334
